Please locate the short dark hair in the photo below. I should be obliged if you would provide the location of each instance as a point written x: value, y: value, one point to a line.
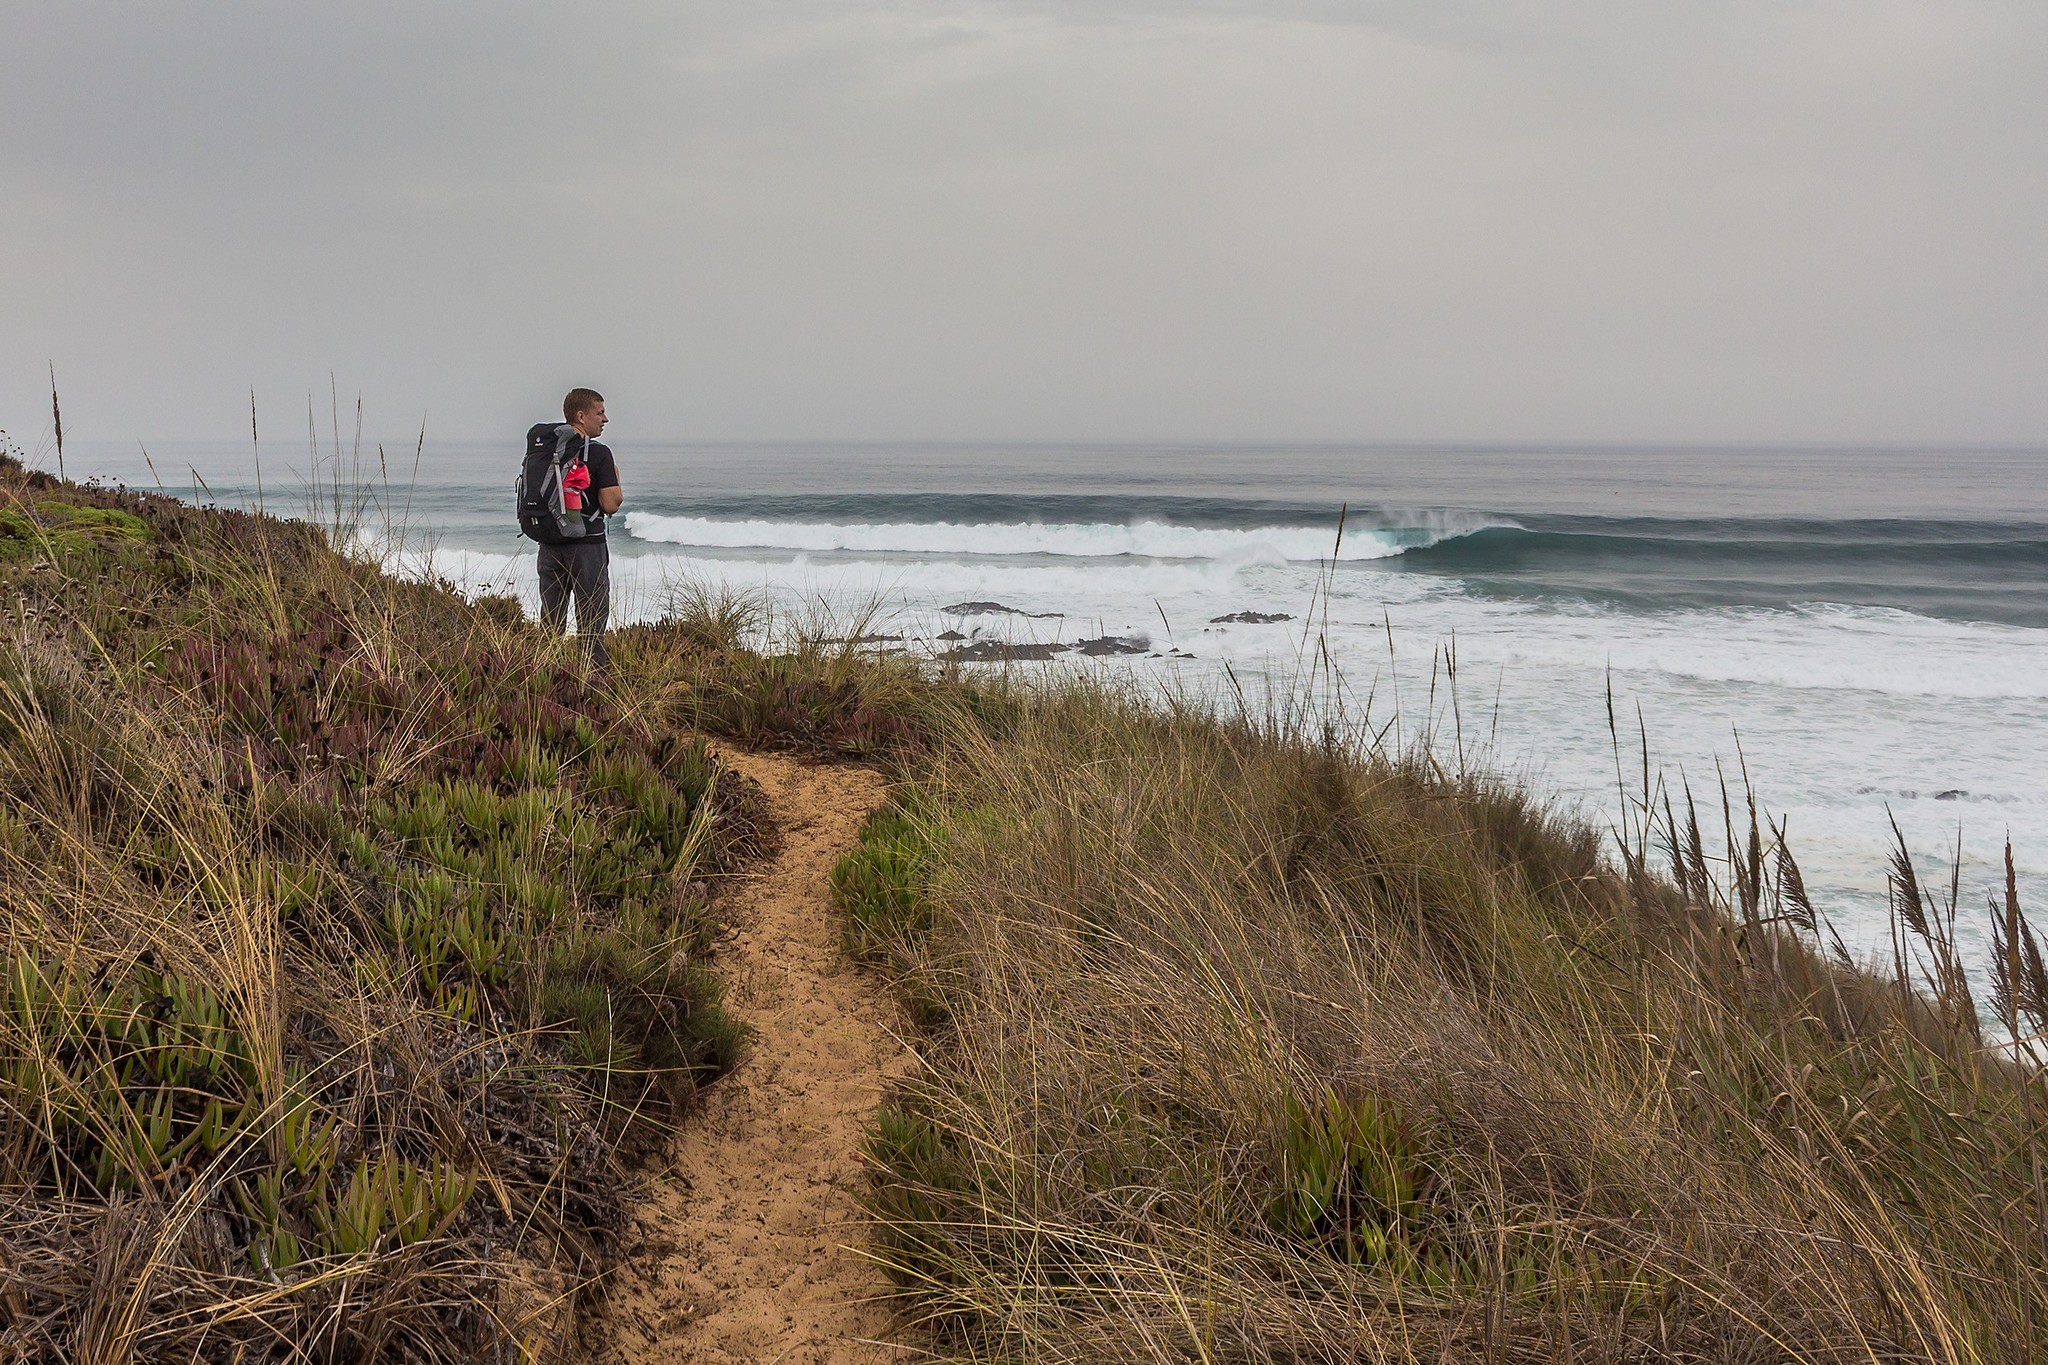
x: 579, y: 401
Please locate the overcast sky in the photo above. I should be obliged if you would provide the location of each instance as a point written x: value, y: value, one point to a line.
x: 1543, y: 220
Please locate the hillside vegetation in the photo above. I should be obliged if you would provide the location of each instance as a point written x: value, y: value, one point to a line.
x: 356, y: 944
x: 350, y: 940
x: 1246, y: 1045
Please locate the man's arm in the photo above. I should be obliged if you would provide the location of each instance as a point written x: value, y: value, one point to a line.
x: 609, y: 494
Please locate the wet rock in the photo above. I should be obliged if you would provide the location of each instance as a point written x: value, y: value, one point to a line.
x: 996, y: 651
x: 998, y: 609
x: 1250, y: 618
x: 1103, y: 646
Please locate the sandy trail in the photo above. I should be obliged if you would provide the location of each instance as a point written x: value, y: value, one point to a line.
x: 747, y: 1232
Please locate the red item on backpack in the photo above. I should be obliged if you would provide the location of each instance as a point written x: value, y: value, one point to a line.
x: 574, y: 480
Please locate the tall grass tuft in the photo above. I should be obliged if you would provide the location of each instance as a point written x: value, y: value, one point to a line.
x: 1247, y: 1044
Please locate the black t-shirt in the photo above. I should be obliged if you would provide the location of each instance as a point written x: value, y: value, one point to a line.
x: 604, y: 473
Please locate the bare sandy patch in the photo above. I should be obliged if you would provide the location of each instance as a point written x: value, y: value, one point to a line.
x: 747, y: 1236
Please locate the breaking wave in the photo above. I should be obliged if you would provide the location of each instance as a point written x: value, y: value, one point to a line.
x: 1069, y: 540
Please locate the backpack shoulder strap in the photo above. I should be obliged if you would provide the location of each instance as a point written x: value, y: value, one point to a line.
x: 571, y: 446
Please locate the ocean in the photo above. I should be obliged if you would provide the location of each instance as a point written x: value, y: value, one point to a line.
x: 1863, y: 633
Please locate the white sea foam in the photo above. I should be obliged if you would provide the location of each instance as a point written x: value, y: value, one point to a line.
x: 1848, y: 716
x: 1796, y: 649
x: 1806, y: 649
x: 1085, y: 540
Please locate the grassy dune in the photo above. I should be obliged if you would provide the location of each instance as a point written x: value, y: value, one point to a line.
x: 350, y: 941
x: 355, y: 941
x: 1244, y: 1046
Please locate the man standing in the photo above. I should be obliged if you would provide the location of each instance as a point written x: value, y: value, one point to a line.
x: 583, y: 567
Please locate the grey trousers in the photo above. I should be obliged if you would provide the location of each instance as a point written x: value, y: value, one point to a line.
x: 582, y: 568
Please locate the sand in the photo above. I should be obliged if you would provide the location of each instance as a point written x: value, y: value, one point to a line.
x: 747, y: 1241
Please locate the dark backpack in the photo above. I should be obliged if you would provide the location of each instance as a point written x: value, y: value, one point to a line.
x: 552, y: 449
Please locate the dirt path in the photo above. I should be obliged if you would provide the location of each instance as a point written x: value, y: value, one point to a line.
x: 747, y: 1257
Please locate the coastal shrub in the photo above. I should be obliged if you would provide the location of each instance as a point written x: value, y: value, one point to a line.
x: 831, y: 698
x: 923, y: 1210
x: 350, y: 938
x: 1349, y: 1180
x: 879, y: 885
x: 638, y: 1001
x: 881, y: 888
x: 1251, y: 1046
x: 131, y: 1072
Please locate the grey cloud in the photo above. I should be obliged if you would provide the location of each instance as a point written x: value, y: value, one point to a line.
x: 1431, y: 218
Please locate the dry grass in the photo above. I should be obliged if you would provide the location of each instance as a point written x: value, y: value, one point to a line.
x: 1247, y: 1047
x: 721, y: 662
x: 328, y: 1028
x: 351, y: 940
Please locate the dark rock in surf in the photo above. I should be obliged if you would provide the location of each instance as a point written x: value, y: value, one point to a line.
x: 995, y: 651
x: 1250, y: 618
x: 998, y: 609
x: 1103, y: 646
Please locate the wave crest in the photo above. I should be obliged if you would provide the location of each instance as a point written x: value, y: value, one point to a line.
x: 1075, y: 540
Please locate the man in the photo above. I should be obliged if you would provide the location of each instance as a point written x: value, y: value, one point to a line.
x: 582, y: 568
